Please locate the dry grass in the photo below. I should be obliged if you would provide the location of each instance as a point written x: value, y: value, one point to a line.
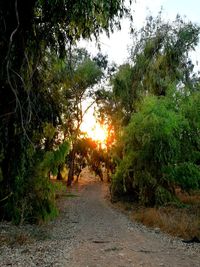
x: 190, y: 199
x: 177, y: 222
x: 181, y: 222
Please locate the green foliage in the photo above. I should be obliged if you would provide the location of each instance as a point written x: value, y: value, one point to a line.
x: 32, y: 95
x: 53, y: 159
x: 81, y: 155
x: 96, y: 159
x: 164, y: 196
x: 160, y: 65
x: 121, y: 181
x: 190, y: 108
x: 33, y: 196
x: 77, y: 84
x: 155, y: 129
x: 88, y: 153
x: 87, y: 74
x: 49, y: 130
x: 186, y: 175
x: 32, y: 101
x: 154, y: 163
x: 160, y: 145
x: 38, y: 203
x: 151, y: 143
x: 122, y: 90
x: 160, y: 55
x: 79, y: 18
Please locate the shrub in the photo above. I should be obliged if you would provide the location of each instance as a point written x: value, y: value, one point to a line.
x: 186, y: 175
x: 152, y: 142
x: 33, y: 195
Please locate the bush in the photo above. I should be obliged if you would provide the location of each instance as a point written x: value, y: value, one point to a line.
x: 33, y: 195
x: 152, y: 141
x: 185, y: 175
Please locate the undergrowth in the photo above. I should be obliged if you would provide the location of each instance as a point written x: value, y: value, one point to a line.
x: 180, y: 221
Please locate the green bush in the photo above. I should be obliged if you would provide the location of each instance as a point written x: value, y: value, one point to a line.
x: 163, y: 196
x: 152, y: 141
x: 33, y: 195
x: 186, y: 175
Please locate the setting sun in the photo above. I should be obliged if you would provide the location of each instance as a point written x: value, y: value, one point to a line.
x: 94, y: 130
x: 98, y: 133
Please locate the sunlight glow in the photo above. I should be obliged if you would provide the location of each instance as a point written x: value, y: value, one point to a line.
x: 94, y: 130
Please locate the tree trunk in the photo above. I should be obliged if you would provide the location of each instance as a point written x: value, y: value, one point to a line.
x: 71, y: 168
x: 59, y: 175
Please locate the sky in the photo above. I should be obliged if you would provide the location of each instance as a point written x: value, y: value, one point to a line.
x: 117, y: 46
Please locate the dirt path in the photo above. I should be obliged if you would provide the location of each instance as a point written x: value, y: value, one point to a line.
x: 90, y: 233
x: 107, y: 238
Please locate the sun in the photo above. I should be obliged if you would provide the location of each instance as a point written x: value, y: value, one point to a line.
x: 94, y: 130
x: 99, y: 133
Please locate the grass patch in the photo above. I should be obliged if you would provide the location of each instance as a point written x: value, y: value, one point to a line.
x: 61, y: 190
x: 175, y: 221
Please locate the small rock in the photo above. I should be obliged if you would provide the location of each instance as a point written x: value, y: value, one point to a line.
x: 157, y: 230
x: 121, y: 254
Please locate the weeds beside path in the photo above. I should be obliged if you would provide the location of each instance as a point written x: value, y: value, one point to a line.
x: 180, y: 221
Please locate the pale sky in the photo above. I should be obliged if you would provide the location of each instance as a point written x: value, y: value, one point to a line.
x: 117, y: 46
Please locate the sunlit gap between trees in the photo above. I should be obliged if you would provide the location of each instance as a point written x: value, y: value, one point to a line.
x: 93, y: 129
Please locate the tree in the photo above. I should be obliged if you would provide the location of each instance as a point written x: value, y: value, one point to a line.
x: 77, y: 84
x: 158, y: 137
x: 161, y: 55
x: 151, y: 144
x: 28, y: 31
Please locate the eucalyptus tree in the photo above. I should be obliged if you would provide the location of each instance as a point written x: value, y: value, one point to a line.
x: 159, y: 61
x: 29, y: 29
x: 161, y: 55
x: 150, y: 92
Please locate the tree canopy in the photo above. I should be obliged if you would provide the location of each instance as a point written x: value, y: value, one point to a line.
x: 35, y: 34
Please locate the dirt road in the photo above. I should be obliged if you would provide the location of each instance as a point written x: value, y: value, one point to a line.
x: 107, y: 238
x: 91, y: 233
